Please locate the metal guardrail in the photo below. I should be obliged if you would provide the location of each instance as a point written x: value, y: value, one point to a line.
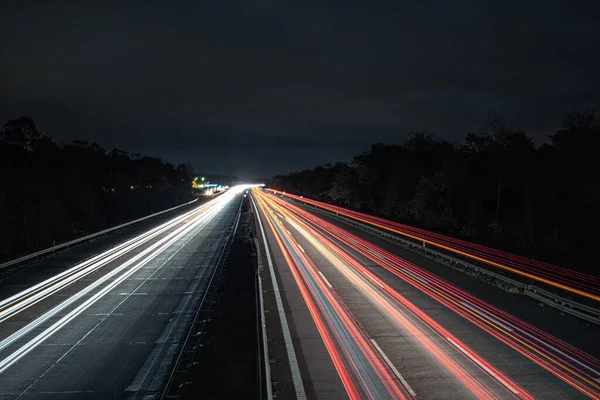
x: 84, y: 238
x: 565, y: 305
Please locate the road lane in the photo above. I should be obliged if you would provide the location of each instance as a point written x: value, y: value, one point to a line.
x: 24, y: 289
x: 363, y: 372
x: 307, y: 360
x: 115, y: 330
x: 491, y: 354
x: 425, y: 365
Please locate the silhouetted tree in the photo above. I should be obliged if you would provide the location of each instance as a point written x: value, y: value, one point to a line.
x: 51, y: 193
x: 497, y: 188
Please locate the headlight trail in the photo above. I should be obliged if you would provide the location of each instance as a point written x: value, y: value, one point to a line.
x: 99, y: 288
x: 562, y: 278
x: 13, y: 305
x: 571, y: 365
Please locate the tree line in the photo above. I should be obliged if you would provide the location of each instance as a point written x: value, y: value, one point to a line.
x: 497, y: 188
x: 50, y: 192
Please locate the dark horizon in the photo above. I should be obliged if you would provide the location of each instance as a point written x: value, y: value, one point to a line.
x: 260, y: 89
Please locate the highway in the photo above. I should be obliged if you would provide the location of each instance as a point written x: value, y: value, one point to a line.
x: 111, y: 325
x: 348, y: 318
x: 569, y: 281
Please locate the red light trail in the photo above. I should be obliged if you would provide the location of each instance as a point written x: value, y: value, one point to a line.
x: 571, y: 281
x: 562, y: 360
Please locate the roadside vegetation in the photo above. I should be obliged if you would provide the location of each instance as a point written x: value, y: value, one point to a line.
x: 497, y: 187
x: 50, y: 192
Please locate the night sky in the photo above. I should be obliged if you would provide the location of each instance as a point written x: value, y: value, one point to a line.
x: 261, y: 87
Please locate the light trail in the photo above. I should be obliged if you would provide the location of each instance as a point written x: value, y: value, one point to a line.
x: 363, y: 371
x: 191, y: 221
x: 13, y: 305
x: 571, y: 281
x: 571, y: 365
x: 387, y: 301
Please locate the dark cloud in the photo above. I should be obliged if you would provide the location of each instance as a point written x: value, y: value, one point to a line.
x: 292, y: 82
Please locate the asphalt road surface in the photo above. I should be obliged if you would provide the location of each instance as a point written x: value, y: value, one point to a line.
x: 348, y: 319
x: 110, y: 325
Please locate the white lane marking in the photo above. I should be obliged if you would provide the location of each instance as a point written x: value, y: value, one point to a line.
x: 287, y: 337
x: 49, y: 314
x: 40, y: 338
x: 300, y: 247
x: 69, y: 392
x: 393, y: 368
x: 44, y: 289
x: 325, y: 279
x: 486, y: 369
x: 166, y: 336
x: 105, y: 314
x: 125, y: 299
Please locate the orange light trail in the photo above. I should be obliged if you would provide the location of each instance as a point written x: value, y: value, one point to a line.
x: 305, y: 274
x: 566, y: 362
x: 571, y: 281
x: 324, y: 246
